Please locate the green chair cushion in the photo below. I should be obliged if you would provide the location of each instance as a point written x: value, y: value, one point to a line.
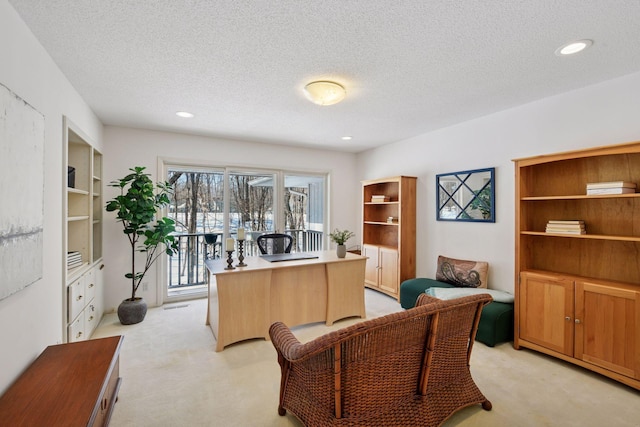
x: 496, y: 320
x: 411, y: 289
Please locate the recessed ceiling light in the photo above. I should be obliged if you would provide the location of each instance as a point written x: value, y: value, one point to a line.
x: 573, y: 47
x: 346, y: 138
x: 184, y: 114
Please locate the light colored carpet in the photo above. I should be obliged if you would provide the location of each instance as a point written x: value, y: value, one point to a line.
x: 172, y: 376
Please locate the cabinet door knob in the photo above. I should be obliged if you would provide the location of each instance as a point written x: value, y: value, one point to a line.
x: 568, y: 319
x: 577, y: 320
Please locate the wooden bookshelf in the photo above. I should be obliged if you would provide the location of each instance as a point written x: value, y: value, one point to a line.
x: 578, y: 295
x: 389, y: 232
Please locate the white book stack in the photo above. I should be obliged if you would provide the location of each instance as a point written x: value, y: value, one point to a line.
x: 379, y: 198
x: 615, y: 187
x: 74, y: 259
x: 566, y: 227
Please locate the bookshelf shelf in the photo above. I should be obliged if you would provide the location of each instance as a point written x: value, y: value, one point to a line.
x: 582, y: 197
x: 582, y: 236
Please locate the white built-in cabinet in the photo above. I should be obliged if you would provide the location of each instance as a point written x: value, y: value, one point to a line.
x: 82, y: 225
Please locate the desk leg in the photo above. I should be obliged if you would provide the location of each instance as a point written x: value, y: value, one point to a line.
x: 243, y: 306
x: 345, y: 290
x: 207, y: 322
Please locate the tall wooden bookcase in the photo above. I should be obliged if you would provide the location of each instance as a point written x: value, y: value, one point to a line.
x: 578, y: 295
x: 82, y: 225
x: 389, y: 232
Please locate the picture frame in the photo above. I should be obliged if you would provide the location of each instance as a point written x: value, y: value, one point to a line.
x: 466, y: 196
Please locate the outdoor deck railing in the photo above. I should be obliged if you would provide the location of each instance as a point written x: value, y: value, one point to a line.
x: 187, y: 268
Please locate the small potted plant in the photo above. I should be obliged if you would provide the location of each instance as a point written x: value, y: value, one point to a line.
x: 136, y: 208
x: 340, y: 237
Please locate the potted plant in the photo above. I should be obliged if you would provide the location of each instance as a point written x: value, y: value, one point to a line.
x: 340, y: 237
x: 136, y: 208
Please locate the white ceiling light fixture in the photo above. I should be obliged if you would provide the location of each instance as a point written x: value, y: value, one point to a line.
x: 347, y: 138
x: 184, y: 114
x: 324, y: 92
x: 573, y: 47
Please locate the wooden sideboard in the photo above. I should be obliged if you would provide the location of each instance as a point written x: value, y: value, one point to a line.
x: 73, y: 384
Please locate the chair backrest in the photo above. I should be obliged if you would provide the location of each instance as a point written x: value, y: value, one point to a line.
x: 417, y: 352
x: 274, y: 243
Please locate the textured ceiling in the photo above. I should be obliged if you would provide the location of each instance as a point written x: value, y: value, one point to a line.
x: 409, y: 66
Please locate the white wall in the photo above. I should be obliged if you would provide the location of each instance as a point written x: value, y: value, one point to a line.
x: 32, y: 319
x: 126, y: 148
x: 603, y: 114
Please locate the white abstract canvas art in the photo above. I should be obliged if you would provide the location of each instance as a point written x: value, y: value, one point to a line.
x: 21, y: 193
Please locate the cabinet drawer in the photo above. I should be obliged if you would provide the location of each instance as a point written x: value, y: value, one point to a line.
x: 76, y: 298
x: 90, y: 319
x: 89, y: 285
x: 75, y: 330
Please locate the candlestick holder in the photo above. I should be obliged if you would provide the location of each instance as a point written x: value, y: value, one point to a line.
x: 229, y: 261
x: 241, y: 254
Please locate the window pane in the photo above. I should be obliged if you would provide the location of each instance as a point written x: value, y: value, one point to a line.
x: 197, y: 208
x: 251, y: 206
x: 304, y: 211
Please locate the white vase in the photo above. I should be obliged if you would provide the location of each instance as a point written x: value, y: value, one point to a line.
x: 341, y: 251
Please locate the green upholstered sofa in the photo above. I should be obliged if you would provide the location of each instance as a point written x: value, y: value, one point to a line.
x: 496, y: 321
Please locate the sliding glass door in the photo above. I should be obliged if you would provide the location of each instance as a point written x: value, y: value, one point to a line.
x: 198, y: 208
x: 210, y: 204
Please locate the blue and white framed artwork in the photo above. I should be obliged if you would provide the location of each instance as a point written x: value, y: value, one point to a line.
x: 466, y: 196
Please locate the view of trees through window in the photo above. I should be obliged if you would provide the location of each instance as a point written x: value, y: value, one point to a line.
x: 198, y: 207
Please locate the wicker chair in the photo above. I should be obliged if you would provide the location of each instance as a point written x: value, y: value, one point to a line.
x: 409, y: 368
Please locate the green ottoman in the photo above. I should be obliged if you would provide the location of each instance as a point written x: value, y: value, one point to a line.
x: 496, y: 320
x: 496, y: 323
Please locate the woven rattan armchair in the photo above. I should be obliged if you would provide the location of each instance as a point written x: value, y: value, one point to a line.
x: 409, y: 368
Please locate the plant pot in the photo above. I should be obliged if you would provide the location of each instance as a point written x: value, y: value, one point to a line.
x: 341, y: 251
x: 132, y: 311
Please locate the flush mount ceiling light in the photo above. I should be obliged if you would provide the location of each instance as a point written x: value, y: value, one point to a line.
x: 324, y: 92
x: 573, y: 47
x: 184, y: 114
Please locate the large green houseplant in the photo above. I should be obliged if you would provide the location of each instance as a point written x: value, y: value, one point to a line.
x: 136, y: 208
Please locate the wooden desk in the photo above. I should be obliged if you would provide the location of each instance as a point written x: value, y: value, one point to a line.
x: 244, y: 302
x: 73, y: 384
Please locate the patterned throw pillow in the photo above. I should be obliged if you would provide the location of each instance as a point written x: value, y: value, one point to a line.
x: 462, y: 273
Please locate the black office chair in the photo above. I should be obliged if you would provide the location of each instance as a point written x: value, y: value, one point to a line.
x: 211, y: 245
x: 274, y: 243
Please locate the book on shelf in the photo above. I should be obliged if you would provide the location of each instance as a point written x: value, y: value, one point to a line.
x: 565, y: 222
x: 554, y: 231
x: 379, y: 198
x: 566, y: 226
x: 74, y: 259
x: 610, y: 190
x: 611, y: 184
